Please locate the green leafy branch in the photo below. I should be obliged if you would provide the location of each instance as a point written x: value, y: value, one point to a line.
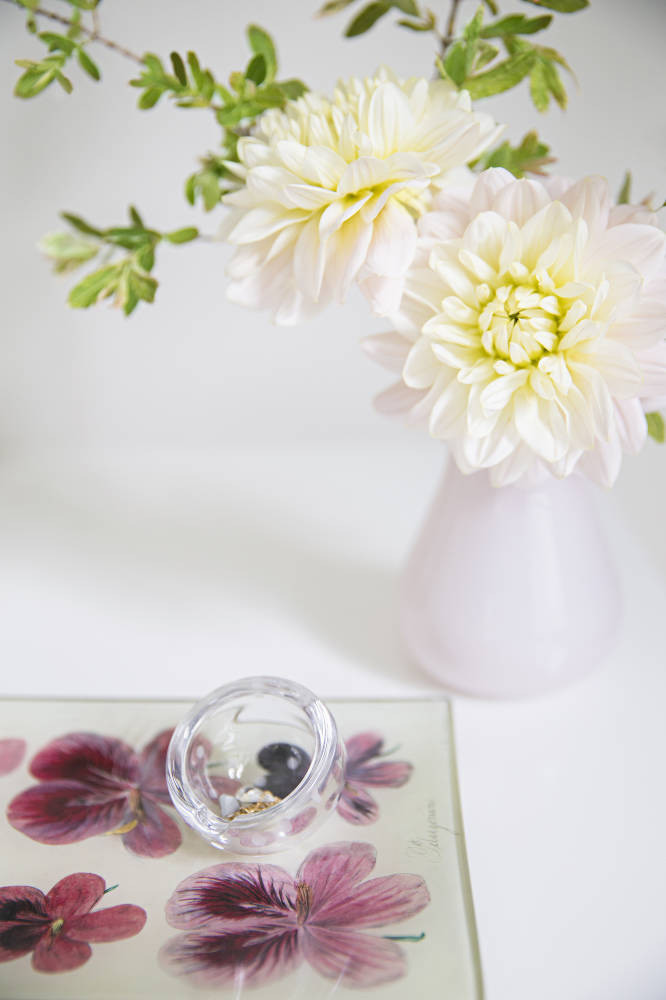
x: 61, y: 47
x: 127, y: 280
x: 474, y: 63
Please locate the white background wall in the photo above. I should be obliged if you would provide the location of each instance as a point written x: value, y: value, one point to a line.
x: 195, y: 369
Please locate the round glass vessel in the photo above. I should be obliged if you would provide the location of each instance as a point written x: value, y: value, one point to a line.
x: 256, y: 765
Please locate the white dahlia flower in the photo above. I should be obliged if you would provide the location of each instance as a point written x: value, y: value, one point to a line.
x: 331, y: 188
x: 531, y: 331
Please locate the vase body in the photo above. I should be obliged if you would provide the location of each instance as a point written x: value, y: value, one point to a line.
x: 509, y: 591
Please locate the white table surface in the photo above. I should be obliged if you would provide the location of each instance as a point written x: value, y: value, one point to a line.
x: 167, y: 575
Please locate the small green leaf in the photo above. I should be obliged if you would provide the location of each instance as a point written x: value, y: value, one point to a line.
x: 562, y: 6
x: 516, y: 24
x: 539, y: 90
x: 67, y: 251
x: 87, y: 65
x: 655, y: 426
x: 81, y: 225
x: 409, y: 7
x: 333, y: 6
x: 179, y: 68
x: 256, y: 69
x: 367, y: 18
x: 292, y: 89
x: 531, y: 156
x: 554, y: 82
x: 64, y: 82
x: 485, y: 54
x: 143, y: 285
x: 57, y: 43
x: 262, y: 44
x: 624, y: 195
x: 150, y: 97
x: 195, y: 69
x: 185, y: 235
x: 455, y: 63
x: 501, y: 77
x: 135, y: 217
x: 94, y: 286
x: 145, y: 257
x: 417, y: 25
x: 34, y: 81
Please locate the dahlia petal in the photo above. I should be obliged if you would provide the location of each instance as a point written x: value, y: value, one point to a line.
x: 497, y: 394
x: 642, y: 246
x: 319, y: 165
x: 365, y: 172
x: 346, y: 251
x: 87, y: 757
x: 308, y: 196
x: 331, y: 872
x: 514, y: 468
x: 644, y: 327
x: 631, y: 424
x: 455, y: 355
x: 357, y: 806
x: 309, y: 260
x: 228, y: 896
x: 64, y: 812
x: 352, y: 959
x: 602, y: 463
x: 589, y: 199
x: 652, y: 364
x: 247, y: 958
x: 258, y: 223
x: 590, y: 383
x: 453, y: 275
x: 12, y: 752
x: 539, y: 233
x: 59, y: 954
x: 421, y: 367
x: 387, y: 349
x: 111, y: 924
x: 540, y: 434
x: 614, y: 362
x: 384, y: 294
x: 388, y: 119
x: 449, y: 410
x: 498, y: 444
x: 393, y: 241
x: 74, y: 895
x: 521, y: 200
x: 155, y: 835
x: 486, y: 235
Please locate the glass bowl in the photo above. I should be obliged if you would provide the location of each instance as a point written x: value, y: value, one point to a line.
x: 256, y: 765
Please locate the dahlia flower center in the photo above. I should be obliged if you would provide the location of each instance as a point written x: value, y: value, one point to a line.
x: 518, y: 323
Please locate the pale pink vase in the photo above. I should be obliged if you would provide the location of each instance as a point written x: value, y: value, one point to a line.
x: 509, y: 591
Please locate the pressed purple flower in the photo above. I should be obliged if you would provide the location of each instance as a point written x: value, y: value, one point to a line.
x: 356, y: 805
x: 92, y: 784
x: 250, y: 924
x: 12, y: 752
x: 58, y: 927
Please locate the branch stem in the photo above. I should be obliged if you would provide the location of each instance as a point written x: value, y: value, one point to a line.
x: 92, y: 33
x: 449, y: 31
